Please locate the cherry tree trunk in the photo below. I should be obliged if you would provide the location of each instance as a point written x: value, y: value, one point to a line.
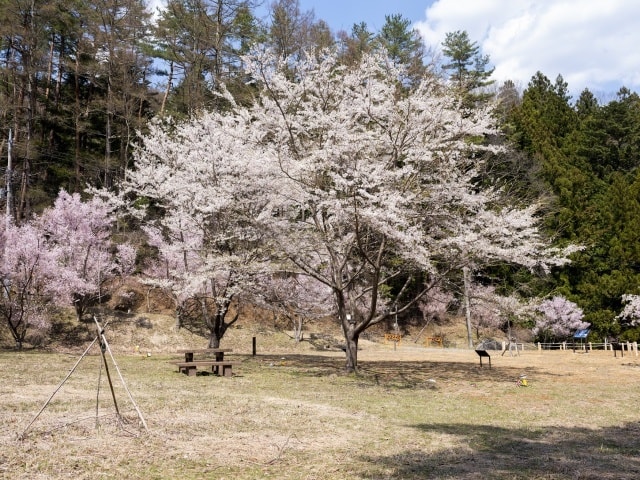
x: 351, y: 337
x: 297, y: 328
x: 216, y: 326
x: 214, y: 340
x: 351, y: 333
x: 216, y: 322
x: 467, y: 305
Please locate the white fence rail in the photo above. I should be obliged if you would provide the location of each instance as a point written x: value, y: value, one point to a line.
x: 589, y: 346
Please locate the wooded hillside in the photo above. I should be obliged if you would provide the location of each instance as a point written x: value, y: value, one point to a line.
x: 81, y: 82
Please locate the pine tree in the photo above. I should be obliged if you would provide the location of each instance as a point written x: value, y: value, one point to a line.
x: 201, y: 42
x: 403, y: 45
x: 467, y: 67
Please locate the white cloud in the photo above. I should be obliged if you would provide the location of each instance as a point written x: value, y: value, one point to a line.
x: 592, y: 44
x: 154, y: 5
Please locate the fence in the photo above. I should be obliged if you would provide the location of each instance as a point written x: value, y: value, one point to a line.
x: 589, y: 346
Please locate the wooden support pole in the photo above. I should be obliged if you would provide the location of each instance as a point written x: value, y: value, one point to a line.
x: 108, y: 349
x: 103, y: 349
x: 21, y: 437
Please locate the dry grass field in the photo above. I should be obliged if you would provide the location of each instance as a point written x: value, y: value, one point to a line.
x: 290, y: 412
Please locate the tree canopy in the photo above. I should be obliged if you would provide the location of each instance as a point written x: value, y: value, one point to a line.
x: 340, y: 174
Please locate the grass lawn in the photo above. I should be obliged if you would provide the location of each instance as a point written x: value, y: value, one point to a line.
x: 411, y: 413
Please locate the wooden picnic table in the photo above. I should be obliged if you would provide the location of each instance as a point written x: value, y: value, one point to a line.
x: 219, y: 353
x: 219, y: 366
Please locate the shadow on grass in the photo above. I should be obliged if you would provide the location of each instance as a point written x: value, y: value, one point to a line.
x: 501, y: 453
x: 71, y: 333
x: 397, y: 374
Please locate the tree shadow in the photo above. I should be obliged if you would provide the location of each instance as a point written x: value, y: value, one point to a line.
x: 495, y: 452
x: 399, y: 374
x: 71, y: 333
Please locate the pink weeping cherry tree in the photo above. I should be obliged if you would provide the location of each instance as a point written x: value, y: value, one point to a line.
x: 79, y: 237
x: 27, y: 268
x: 60, y: 258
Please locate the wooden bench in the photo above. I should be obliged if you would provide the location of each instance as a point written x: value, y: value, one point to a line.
x: 224, y: 368
x: 218, y: 352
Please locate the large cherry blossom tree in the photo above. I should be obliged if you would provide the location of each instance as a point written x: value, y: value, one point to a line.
x: 377, y: 183
x: 342, y: 173
x: 203, y: 180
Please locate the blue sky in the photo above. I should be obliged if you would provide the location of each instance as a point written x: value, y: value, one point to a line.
x: 342, y: 14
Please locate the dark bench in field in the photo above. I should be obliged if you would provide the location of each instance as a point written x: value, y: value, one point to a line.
x: 224, y: 367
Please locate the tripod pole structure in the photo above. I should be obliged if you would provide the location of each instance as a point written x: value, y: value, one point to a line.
x: 58, y: 388
x: 105, y: 347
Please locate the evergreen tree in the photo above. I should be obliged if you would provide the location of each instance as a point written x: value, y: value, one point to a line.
x: 586, y: 105
x: 467, y: 67
x: 74, y: 92
x: 201, y: 42
x: 588, y: 156
x: 403, y: 45
x: 23, y: 52
x: 358, y: 43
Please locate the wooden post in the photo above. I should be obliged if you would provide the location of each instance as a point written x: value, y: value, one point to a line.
x: 103, y: 349
x: 539, y: 347
x: 254, y: 345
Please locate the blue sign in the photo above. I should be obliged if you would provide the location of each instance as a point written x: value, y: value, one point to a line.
x: 581, y: 333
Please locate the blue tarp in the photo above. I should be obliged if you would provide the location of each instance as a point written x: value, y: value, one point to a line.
x: 581, y: 333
